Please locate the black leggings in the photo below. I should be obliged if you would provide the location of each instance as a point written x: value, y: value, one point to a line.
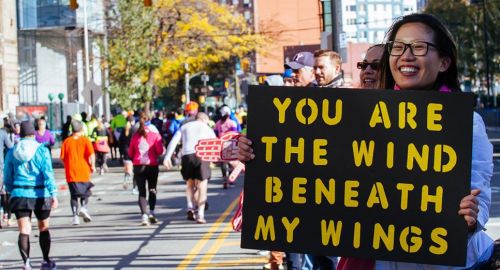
x: 149, y: 174
x: 4, y: 202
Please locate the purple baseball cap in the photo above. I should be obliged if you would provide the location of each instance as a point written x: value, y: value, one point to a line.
x: 301, y: 60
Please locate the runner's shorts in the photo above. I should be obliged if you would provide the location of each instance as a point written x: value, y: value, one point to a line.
x: 80, y: 189
x: 195, y: 168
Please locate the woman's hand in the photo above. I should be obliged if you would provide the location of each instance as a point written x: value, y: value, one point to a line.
x: 55, y: 203
x: 245, y: 151
x: 469, y: 208
x: 167, y: 162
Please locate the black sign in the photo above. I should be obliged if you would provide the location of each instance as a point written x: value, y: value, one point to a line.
x: 360, y: 173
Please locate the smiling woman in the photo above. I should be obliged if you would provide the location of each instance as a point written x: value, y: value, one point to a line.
x: 421, y: 55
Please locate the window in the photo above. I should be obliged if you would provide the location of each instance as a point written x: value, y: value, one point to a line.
x: 362, y: 7
x: 351, y: 21
x: 248, y: 15
x: 350, y: 8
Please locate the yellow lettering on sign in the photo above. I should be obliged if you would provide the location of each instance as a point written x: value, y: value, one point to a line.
x: 265, y: 228
x: 361, y: 152
x: 405, y: 189
x: 319, y: 152
x: 386, y: 237
x: 282, y: 106
x: 407, y: 113
x: 415, y: 242
x: 269, y: 141
x: 377, y: 195
x: 289, y: 150
x: 436, y: 199
x: 300, y: 108
x: 441, y: 244
x: 433, y: 116
x: 452, y: 158
x: 350, y: 193
x: 380, y: 115
x: 390, y: 155
x: 298, y: 190
x: 274, y: 194
x: 338, y: 112
x: 422, y: 159
x: 356, y: 241
x: 290, y: 227
x: 323, y: 191
x: 331, y: 232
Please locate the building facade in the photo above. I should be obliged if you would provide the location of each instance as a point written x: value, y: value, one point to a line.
x: 52, y: 53
x: 9, y: 85
x: 293, y: 23
x: 368, y: 20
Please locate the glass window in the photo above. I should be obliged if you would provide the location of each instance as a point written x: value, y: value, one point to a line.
x: 45, y: 13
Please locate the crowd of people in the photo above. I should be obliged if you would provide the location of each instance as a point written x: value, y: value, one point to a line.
x: 419, y: 53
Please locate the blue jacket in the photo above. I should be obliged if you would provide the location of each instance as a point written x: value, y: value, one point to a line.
x: 479, y: 244
x: 28, y: 171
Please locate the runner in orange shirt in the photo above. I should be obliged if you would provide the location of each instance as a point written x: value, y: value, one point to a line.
x: 78, y: 156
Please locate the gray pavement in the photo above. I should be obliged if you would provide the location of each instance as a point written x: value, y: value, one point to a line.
x: 116, y: 240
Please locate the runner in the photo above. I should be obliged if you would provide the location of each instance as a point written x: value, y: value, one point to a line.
x: 29, y: 178
x: 146, y: 146
x: 78, y: 157
x: 194, y: 171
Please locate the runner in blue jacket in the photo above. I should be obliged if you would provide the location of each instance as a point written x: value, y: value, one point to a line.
x: 29, y: 178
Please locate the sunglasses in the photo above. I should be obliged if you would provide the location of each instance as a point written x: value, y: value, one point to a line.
x: 364, y: 65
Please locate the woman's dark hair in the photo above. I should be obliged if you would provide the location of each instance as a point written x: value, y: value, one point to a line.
x: 142, y: 126
x: 444, y: 41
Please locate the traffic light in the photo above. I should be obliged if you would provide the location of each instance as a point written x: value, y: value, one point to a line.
x: 148, y: 3
x: 73, y: 4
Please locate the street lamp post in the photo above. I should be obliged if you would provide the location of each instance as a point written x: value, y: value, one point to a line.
x: 51, y: 98
x: 61, y: 96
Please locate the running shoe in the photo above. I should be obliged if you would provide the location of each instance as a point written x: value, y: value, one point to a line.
x: 263, y: 252
x: 190, y: 215
x: 152, y: 219
x: 135, y: 191
x: 267, y: 266
x: 48, y: 265
x: 85, y: 215
x: 27, y: 265
x: 201, y: 221
x: 76, y: 220
x: 145, y: 220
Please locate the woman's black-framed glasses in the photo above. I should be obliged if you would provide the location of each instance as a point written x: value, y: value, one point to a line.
x: 419, y: 48
x: 364, y: 65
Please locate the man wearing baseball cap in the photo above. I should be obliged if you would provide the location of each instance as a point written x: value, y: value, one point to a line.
x: 302, y: 66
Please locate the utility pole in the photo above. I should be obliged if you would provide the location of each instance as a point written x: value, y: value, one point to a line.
x: 186, y: 86
x: 486, y: 56
x: 338, y: 45
x: 87, y: 61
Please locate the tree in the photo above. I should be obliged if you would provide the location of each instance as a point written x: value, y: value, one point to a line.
x: 465, y: 21
x: 148, y: 47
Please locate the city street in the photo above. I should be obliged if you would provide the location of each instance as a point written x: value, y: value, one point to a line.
x: 116, y: 240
